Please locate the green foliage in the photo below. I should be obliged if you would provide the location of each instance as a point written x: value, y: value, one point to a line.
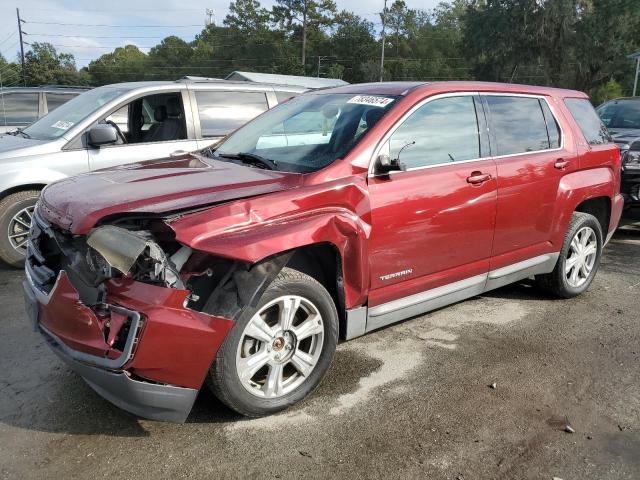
x: 44, y: 65
x: 579, y: 44
x: 608, y: 91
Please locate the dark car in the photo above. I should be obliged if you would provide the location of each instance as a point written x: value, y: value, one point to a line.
x: 21, y: 106
x: 622, y: 118
x: 336, y: 213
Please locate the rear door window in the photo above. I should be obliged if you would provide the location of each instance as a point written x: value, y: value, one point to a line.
x: 54, y: 100
x: 518, y: 124
x: 18, y: 108
x: 221, y: 112
x: 588, y: 120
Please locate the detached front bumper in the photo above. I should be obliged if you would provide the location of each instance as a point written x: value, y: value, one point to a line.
x: 162, y: 358
x: 106, y: 376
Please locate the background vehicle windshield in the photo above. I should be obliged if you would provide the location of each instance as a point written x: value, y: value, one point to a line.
x: 620, y: 114
x: 56, y: 123
x: 308, y: 132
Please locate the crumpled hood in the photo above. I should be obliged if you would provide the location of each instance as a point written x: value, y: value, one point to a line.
x: 157, y: 186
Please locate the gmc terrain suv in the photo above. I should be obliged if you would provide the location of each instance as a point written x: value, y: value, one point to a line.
x: 114, y: 125
x: 336, y: 213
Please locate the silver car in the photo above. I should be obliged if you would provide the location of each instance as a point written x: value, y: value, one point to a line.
x: 21, y: 106
x: 114, y: 125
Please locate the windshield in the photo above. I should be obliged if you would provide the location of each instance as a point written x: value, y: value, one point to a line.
x: 306, y: 133
x: 620, y: 114
x: 56, y: 123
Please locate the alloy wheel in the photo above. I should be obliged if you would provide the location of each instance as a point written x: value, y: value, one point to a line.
x: 581, y: 257
x: 280, y: 346
x: 19, y: 226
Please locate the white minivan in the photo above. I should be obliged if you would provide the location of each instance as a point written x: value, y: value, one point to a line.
x: 114, y: 125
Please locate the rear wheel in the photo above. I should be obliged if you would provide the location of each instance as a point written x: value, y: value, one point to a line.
x: 16, y: 211
x: 279, y: 355
x: 579, y: 258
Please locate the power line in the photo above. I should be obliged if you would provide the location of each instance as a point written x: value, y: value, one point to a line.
x: 91, y: 36
x: 113, y: 26
x: 9, y: 36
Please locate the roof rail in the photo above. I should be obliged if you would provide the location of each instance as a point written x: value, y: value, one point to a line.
x: 194, y: 78
x: 84, y: 87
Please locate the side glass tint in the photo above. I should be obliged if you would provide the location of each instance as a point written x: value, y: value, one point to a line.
x: 18, y: 108
x: 518, y: 124
x: 54, y: 100
x: 222, y: 112
x: 441, y: 131
x: 587, y: 119
x: 553, y: 129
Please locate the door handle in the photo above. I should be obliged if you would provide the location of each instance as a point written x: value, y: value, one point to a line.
x: 561, y: 164
x: 178, y: 153
x: 478, y: 178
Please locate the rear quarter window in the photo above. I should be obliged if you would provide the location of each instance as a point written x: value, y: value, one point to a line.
x: 588, y: 120
x: 222, y: 112
x: 18, y: 108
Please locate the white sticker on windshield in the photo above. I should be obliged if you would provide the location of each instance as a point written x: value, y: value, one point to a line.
x: 62, y: 125
x: 371, y: 100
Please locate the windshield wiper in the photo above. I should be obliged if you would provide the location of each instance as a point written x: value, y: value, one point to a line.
x: 18, y: 131
x: 251, y: 158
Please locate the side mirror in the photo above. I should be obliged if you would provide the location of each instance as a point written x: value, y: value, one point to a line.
x: 102, y: 134
x: 386, y: 164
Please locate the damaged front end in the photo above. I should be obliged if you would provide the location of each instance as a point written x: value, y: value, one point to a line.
x: 125, y: 307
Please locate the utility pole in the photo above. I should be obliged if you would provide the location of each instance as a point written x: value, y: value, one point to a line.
x: 20, y: 22
x: 384, y: 21
x: 210, y: 13
x: 321, y: 58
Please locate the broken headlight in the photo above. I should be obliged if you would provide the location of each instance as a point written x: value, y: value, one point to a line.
x: 138, y: 255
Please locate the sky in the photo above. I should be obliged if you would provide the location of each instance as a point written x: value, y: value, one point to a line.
x: 89, y: 28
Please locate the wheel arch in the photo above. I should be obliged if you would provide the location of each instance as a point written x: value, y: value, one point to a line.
x: 599, y: 207
x: 323, y: 262
x: 21, y: 188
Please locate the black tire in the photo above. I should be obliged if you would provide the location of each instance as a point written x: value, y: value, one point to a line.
x: 223, y: 378
x: 10, y: 206
x: 556, y: 282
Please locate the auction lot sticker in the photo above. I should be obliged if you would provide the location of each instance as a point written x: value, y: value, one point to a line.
x: 371, y: 100
x: 62, y: 125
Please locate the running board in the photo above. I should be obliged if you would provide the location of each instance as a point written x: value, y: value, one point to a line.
x: 362, y: 320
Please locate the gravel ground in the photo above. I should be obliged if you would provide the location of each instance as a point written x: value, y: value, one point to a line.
x: 409, y: 401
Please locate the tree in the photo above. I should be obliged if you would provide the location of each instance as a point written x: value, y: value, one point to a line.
x: 124, y: 64
x: 44, y: 65
x: 247, y: 16
x: 9, y: 73
x: 172, y: 55
x: 352, y: 43
x: 400, y: 20
x: 306, y: 14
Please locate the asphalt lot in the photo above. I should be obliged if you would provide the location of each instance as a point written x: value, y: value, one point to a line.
x: 409, y: 401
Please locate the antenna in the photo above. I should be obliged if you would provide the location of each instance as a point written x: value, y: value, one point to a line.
x: 211, y: 16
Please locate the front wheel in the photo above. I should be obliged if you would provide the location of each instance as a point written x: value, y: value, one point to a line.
x: 16, y: 211
x: 579, y: 258
x: 279, y: 355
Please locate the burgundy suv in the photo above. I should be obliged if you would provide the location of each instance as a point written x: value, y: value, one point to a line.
x: 334, y: 214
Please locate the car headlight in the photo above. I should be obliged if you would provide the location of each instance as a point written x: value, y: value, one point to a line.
x: 631, y: 160
x: 136, y: 254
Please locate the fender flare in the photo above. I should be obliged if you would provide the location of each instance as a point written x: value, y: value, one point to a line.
x: 574, y: 189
